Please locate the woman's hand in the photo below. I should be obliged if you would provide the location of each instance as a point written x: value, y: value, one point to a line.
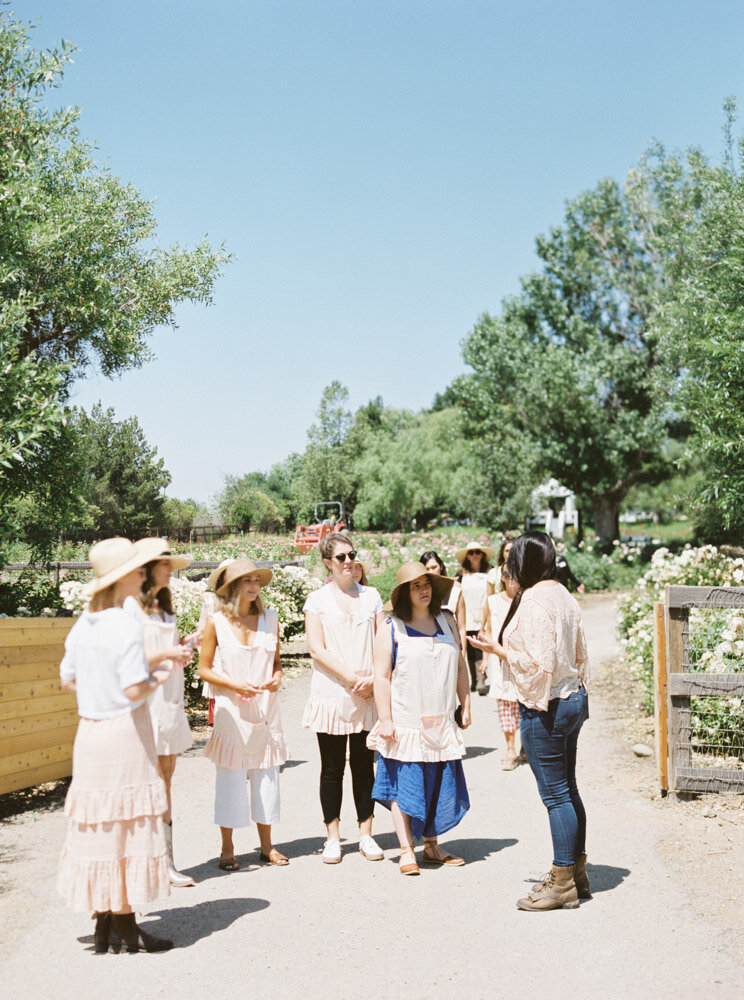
x: 178, y: 656
x: 365, y: 686
x: 387, y: 730
x: 275, y: 683
x: 487, y: 643
x: 245, y: 691
x: 160, y: 673
x: 465, y: 716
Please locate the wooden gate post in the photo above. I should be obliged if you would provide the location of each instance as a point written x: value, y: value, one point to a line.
x: 660, y: 697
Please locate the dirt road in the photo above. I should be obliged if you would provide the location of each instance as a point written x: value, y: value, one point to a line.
x: 664, y: 920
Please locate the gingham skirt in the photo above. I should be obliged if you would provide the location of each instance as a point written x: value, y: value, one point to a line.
x: 508, y: 715
x: 114, y: 854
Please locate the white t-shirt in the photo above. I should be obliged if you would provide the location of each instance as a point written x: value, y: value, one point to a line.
x: 104, y: 655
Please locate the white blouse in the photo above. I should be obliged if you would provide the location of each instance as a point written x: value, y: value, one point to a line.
x: 545, y: 645
x: 104, y: 655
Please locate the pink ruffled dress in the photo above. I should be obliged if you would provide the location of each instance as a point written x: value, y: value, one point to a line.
x: 114, y: 856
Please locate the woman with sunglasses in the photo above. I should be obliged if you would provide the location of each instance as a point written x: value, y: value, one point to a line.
x: 474, y: 560
x: 341, y: 620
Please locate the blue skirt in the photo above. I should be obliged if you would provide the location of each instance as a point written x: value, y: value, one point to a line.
x: 433, y: 795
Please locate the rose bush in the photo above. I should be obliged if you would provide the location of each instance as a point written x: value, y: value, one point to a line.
x: 716, y: 636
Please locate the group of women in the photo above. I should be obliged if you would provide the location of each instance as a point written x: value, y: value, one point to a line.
x: 396, y: 686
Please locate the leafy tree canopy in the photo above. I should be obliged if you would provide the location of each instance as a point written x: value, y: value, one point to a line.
x: 82, y: 279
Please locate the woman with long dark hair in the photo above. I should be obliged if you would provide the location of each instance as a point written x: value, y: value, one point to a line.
x: 542, y: 639
x: 153, y: 609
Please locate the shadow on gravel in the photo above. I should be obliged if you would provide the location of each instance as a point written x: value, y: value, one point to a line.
x: 476, y: 848
x: 478, y: 752
x: 603, y: 878
x: 41, y: 798
x: 188, y: 924
x: 292, y: 763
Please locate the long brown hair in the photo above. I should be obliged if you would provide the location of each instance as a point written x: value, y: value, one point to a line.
x: 155, y: 600
x: 531, y: 560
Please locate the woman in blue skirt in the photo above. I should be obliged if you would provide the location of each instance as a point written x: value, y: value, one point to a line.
x: 420, y: 674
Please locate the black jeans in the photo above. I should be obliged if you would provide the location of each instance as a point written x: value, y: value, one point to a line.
x: 332, y: 766
x: 474, y: 657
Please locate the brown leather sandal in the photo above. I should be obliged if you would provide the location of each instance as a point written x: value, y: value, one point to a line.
x: 273, y: 858
x: 410, y: 868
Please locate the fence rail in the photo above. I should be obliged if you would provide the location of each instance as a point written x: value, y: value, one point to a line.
x: 689, y: 698
x: 55, y: 568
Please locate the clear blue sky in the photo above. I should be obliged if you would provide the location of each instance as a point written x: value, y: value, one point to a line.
x: 379, y: 168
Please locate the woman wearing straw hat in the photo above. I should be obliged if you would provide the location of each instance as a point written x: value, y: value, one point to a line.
x: 474, y: 560
x: 420, y: 674
x: 341, y: 619
x: 153, y: 608
x: 247, y: 743
x: 114, y: 860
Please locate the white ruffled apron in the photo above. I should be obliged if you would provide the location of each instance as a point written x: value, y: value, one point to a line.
x: 170, y: 726
x: 423, y: 697
x: 247, y: 735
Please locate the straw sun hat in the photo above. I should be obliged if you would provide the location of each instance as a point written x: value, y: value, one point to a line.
x: 217, y: 573
x: 462, y: 554
x: 440, y: 585
x: 113, y: 558
x: 165, y: 555
x: 234, y: 570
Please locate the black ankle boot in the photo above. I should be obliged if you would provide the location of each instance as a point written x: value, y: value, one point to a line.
x: 101, y: 933
x: 124, y: 931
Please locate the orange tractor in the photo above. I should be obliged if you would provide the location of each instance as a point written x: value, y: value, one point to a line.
x: 324, y: 521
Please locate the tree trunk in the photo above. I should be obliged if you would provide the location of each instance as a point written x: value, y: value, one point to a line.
x: 606, y: 522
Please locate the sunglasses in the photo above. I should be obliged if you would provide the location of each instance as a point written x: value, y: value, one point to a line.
x: 343, y: 556
x: 475, y: 552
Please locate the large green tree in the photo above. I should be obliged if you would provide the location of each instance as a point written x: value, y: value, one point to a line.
x: 82, y: 280
x: 566, y: 374
x: 700, y: 314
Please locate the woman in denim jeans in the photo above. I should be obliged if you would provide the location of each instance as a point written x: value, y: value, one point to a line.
x: 542, y: 639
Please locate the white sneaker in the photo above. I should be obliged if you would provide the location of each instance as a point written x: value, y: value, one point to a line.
x: 369, y: 849
x: 332, y: 852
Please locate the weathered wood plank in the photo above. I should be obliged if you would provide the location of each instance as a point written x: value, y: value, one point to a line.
x: 678, y: 711
x: 36, y: 631
x: 14, y: 656
x: 660, y: 697
x: 704, y: 597
x: 47, y: 723
x: 709, y: 779
x: 37, y: 706
x: 27, y: 742
x: 35, y: 758
x: 24, y: 690
x: 35, y: 776
x: 701, y: 685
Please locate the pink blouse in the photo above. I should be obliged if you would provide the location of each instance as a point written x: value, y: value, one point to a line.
x: 545, y: 645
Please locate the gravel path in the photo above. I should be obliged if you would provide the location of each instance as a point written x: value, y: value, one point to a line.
x: 360, y: 930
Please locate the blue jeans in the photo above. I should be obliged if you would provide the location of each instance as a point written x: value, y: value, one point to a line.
x: 549, y: 740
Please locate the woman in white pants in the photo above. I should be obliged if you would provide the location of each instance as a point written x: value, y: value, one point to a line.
x: 247, y: 742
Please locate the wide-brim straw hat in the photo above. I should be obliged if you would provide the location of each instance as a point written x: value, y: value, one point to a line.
x: 113, y: 558
x: 214, y: 577
x: 238, y: 568
x: 461, y: 554
x: 165, y: 555
x: 440, y: 585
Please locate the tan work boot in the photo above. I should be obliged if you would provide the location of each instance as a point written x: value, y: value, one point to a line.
x: 557, y: 891
x: 581, y: 878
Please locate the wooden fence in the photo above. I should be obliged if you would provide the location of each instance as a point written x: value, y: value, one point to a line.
x: 675, y: 685
x: 38, y: 720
